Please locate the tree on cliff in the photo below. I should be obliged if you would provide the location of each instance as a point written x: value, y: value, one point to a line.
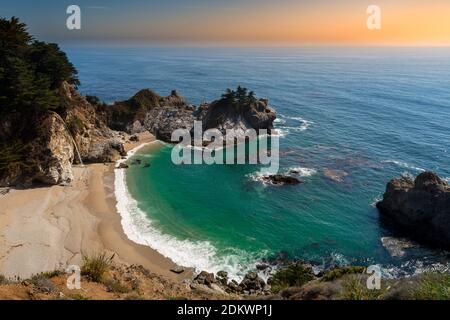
x: 31, y: 71
x: 240, y: 98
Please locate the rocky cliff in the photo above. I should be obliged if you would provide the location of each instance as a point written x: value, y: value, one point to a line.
x: 419, y: 209
x: 40, y: 146
x: 43, y: 155
x: 96, y: 142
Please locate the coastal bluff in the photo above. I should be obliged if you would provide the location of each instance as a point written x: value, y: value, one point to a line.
x: 419, y: 209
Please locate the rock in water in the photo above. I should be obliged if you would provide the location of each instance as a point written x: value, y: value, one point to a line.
x: 419, y: 209
x: 279, y: 179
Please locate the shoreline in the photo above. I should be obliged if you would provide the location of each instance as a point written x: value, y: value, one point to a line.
x: 48, y: 228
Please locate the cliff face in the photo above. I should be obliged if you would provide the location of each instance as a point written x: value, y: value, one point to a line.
x: 96, y: 142
x: 419, y: 208
x: 46, y: 158
x: 163, y: 115
x: 40, y: 146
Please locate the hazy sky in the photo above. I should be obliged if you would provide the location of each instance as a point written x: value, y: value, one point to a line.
x: 291, y: 22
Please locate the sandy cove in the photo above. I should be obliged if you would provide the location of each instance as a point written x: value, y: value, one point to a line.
x: 48, y: 228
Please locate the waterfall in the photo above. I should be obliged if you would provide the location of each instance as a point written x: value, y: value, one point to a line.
x: 75, y: 145
x: 71, y: 137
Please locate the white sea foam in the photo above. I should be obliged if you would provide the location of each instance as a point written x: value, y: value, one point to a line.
x: 304, y: 124
x: 376, y: 200
x: 303, y: 172
x: 261, y: 175
x: 200, y: 255
x: 278, y: 132
x: 279, y: 120
x: 404, y: 165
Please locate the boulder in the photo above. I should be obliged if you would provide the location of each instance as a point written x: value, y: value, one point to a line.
x: 123, y: 165
x: 134, y: 138
x: 205, y: 278
x: 222, y: 277
x: 418, y: 209
x: 252, y: 282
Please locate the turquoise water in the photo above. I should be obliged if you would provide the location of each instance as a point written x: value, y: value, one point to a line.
x: 371, y: 113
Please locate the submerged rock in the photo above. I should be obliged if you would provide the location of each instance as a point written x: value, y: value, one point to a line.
x: 419, y: 209
x: 335, y: 175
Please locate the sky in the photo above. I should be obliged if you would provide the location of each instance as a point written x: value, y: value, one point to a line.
x: 243, y: 22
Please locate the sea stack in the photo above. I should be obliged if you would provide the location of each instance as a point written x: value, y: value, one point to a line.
x: 419, y: 209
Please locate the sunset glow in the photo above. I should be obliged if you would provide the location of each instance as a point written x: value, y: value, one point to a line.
x: 324, y: 22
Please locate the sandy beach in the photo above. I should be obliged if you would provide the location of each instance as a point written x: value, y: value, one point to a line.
x: 48, y: 228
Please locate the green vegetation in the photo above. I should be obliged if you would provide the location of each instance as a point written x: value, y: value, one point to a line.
x: 48, y: 274
x: 115, y: 286
x: 75, y: 125
x: 354, y: 287
x: 11, y: 155
x: 43, y: 283
x: 339, y: 272
x: 240, y: 98
x: 95, y: 101
x: 3, y: 280
x: 295, y: 275
x: 95, y: 267
x: 31, y: 71
x: 432, y: 286
x: 78, y: 296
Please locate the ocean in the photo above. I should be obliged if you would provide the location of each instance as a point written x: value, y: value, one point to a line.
x: 349, y: 120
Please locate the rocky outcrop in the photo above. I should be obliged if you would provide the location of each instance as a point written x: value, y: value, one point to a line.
x: 163, y: 115
x: 251, y: 284
x: 419, y: 209
x: 279, y: 179
x: 95, y: 140
x: 222, y: 115
x: 147, y: 110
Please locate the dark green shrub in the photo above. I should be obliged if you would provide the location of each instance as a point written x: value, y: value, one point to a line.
x: 341, y: 271
x: 115, y: 286
x: 295, y: 275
